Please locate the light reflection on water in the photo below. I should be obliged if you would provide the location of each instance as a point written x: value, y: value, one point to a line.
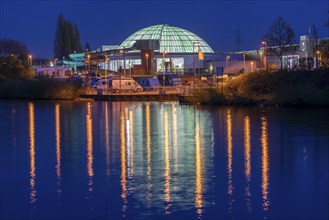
x: 33, y: 193
x: 247, y: 161
x: 151, y: 160
x: 58, y: 148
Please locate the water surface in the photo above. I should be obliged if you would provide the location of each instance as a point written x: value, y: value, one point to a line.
x: 112, y: 160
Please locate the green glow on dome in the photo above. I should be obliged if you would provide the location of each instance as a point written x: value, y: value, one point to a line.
x: 172, y: 39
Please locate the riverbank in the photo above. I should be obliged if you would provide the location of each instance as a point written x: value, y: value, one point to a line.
x: 40, y: 89
x: 283, y: 88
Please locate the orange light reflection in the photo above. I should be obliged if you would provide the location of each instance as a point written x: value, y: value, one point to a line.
x: 265, y: 164
x: 167, y: 196
x: 123, y: 162
x: 229, y: 159
x: 89, y: 135
x: 148, y: 144
x: 198, y: 172
x: 33, y: 193
x: 58, y: 147
x: 131, y: 143
x: 247, y: 161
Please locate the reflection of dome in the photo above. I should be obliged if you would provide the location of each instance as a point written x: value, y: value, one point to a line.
x: 172, y: 39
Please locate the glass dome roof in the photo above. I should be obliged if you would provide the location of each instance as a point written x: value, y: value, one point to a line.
x: 172, y: 39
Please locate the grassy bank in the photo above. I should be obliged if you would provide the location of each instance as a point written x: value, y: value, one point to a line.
x: 39, y: 89
x: 293, y: 88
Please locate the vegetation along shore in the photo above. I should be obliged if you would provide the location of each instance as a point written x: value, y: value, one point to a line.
x: 283, y: 88
x: 293, y: 88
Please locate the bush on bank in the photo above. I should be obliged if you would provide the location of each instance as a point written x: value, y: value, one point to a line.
x: 289, y: 88
x: 40, y: 89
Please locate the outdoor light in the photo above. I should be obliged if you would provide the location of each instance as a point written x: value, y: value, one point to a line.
x: 147, y: 61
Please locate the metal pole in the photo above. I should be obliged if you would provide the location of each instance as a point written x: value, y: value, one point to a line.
x: 124, y: 62
x: 244, y: 62
x: 147, y: 62
x: 164, y: 68
x: 193, y: 67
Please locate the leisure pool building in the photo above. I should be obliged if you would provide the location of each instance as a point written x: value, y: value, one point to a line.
x: 158, y: 48
x: 164, y: 48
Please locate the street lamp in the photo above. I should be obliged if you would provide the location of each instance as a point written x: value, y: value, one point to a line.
x: 124, y: 62
x: 55, y: 62
x: 89, y: 64
x: 252, y: 66
x: 147, y: 63
x: 194, y: 71
x: 164, y: 67
x: 265, y: 53
x: 227, y: 60
x: 318, y: 58
x: 30, y: 60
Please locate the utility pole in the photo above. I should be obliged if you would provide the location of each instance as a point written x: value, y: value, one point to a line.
x: 238, y: 40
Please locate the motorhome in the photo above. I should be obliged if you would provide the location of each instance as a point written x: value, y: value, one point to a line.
x: 117, y: 84
x: 169, y: 79
x: 151, y: 83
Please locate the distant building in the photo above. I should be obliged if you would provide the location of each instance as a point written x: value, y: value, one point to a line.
x: 183, y: 52
x: 52, y: 72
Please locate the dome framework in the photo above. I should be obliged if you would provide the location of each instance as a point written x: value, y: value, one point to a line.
x: 172, y: 39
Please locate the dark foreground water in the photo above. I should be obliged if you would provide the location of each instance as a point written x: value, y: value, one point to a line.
x: 103, y: 160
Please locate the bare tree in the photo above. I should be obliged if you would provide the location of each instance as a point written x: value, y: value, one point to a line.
x: 280, y: 39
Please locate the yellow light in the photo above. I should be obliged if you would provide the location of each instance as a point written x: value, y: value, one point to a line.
x: 33, y: 194
x: 167, y: 177
x: 123, y: 161
x: 247, y: 161
x: 198, y: 171
x: 265, y: 164
x: 131, y: 143
x: 58, y: 140
x: 89, y: 136
x: 229, y: 158
x: 318, y: 52
x: 148, y: 142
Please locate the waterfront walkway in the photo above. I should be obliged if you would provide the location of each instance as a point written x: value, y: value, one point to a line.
x: 163, y: 94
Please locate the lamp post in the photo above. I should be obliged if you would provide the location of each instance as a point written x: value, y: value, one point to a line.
x: 30, y: 61
x: 244, y: 62
x: 227, y: 61
x: 317, y: 58
x: 124, y: 62
x: 147, y: 63
x: 265, y: 54
x: 252, y: 66
x: 89, y: 73
x: 55, y: 64
x: 164, y: 67
x: 194, y: 71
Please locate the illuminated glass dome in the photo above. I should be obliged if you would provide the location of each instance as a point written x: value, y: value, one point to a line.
x: 172, y: 39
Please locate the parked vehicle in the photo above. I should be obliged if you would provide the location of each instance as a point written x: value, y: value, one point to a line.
x: 149, y: 83
x: 116, y: 85
x: 169, y: 79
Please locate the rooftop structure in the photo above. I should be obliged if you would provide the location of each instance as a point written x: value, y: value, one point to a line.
x: 172, y: 39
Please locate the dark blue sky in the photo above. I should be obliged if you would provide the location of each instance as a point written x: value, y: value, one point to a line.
x: 111, y: 22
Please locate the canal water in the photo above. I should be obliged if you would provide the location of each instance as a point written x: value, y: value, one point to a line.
x: 150, y: 160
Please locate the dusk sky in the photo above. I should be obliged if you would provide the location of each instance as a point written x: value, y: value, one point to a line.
x: 111, y: 22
